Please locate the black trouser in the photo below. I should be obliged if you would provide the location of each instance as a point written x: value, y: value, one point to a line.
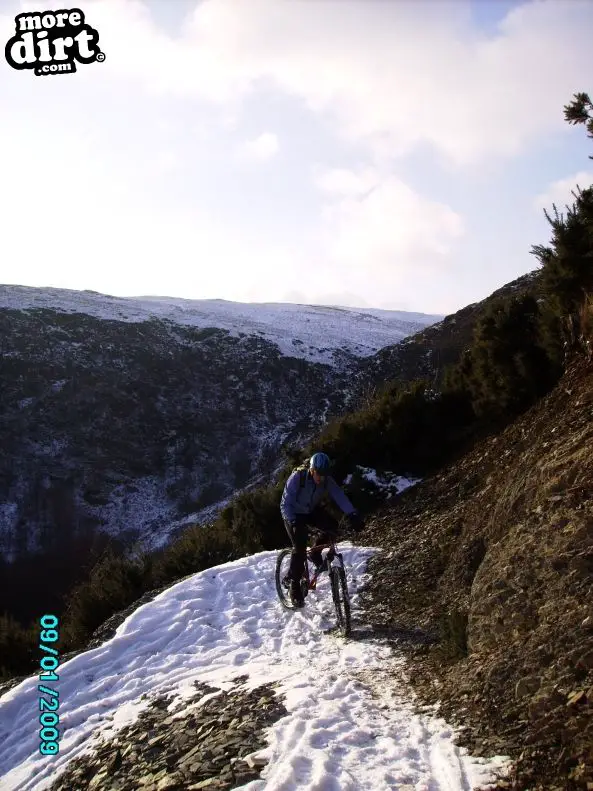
x: 323, y: 523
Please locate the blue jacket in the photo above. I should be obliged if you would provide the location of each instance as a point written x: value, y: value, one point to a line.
x: 297, y: 499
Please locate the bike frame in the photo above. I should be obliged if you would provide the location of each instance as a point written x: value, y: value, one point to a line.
x: 337, y: 577
x: 333, y: 552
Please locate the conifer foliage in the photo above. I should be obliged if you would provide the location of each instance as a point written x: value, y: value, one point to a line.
x: 580, y: 111
x: 567, y: 261
x: 507, y: 368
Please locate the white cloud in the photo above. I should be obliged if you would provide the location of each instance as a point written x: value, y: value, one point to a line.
x: 295, y: 296
x: 131, y: 156
x: 76, y: 223
x: 340, y: 298
x: 560, y: 192
x: 377, y: 227
x: 344, y: 182
x: 383, y: 228
x: 166, y: 160
x: 388, y: 75
x: 260, y: 149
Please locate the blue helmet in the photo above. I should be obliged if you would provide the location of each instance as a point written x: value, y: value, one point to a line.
x: 320, y: 463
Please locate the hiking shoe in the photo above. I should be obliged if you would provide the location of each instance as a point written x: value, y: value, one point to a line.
x: 296, y: 595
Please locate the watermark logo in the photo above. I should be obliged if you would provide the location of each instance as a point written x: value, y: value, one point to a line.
x: 50, y: 42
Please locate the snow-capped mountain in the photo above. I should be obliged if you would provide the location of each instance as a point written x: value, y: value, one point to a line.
x: 129, y: 415
x: 309, y: 332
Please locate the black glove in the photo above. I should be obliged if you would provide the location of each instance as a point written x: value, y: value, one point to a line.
x: 355, y: 521
x: 299, y: 519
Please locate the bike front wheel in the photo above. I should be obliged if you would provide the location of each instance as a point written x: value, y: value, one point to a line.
x: 282, y: 585
x: 341, y: 599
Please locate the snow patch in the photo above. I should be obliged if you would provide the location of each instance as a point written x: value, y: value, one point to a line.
x: 226, y: 621
x: 318, y: 333
x: 386, y: 482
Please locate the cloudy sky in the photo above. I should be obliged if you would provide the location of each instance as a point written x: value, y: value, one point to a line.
x: 377, y: 153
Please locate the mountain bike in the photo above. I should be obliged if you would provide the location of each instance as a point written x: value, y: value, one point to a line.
x: 337, y: 577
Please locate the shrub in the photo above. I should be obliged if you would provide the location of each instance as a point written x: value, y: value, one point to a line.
x: 254, y: 519
x: 198, y: 548
x: 567, y: 262
x: 407, y: 428
x: 507, y: 367
x: 114, y: 583
x: 18, y: 647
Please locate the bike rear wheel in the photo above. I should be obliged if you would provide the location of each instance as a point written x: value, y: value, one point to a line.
x: 283, y: 589
x: 341, y: 599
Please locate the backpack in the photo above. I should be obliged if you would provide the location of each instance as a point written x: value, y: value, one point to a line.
x: 303, y: 469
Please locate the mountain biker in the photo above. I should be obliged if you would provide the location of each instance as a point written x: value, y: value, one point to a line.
x: 300, y: 510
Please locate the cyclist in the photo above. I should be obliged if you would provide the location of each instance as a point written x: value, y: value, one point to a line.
x: 300, y: 510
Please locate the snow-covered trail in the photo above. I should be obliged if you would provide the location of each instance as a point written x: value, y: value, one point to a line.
x: 226, y: 621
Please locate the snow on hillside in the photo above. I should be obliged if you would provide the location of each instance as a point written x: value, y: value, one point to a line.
x: 226, y: 619
x: 311, y: 332
x: 385, y: 482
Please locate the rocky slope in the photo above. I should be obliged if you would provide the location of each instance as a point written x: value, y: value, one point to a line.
x: 211, y: 746
x: 493, y: 558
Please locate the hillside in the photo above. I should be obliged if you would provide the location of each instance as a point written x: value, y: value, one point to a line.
x: 113, y: 409
x: 318, y: 333
x: 129, y: 416
x: 492, y: 561
x: 429, y: 351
